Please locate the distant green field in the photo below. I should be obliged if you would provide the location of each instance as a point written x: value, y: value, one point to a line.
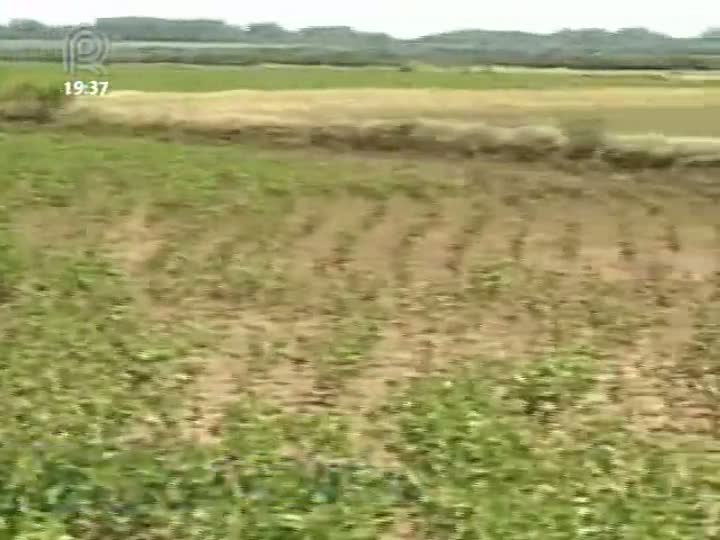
x: 177, y: 78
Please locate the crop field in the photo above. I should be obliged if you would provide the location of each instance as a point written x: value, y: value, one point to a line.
x: 219, y: 338
x: 204, y: 341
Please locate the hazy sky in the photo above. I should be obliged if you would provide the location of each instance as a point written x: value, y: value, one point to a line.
x: 402, y: 18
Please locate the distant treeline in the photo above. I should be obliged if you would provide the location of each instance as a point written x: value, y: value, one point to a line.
x: 632, y: 48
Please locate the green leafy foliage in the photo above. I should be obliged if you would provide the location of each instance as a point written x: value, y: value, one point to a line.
x: 139, y: 277
x: 554, y: 382
x: 28, y: 100
x: 487, y: 472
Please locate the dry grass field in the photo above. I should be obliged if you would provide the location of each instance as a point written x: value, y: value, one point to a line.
x: 519, y: 124
x: 631, y: 110
x: 205, y: 341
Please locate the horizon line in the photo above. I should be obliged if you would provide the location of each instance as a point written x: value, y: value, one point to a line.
x: 6, y: 22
